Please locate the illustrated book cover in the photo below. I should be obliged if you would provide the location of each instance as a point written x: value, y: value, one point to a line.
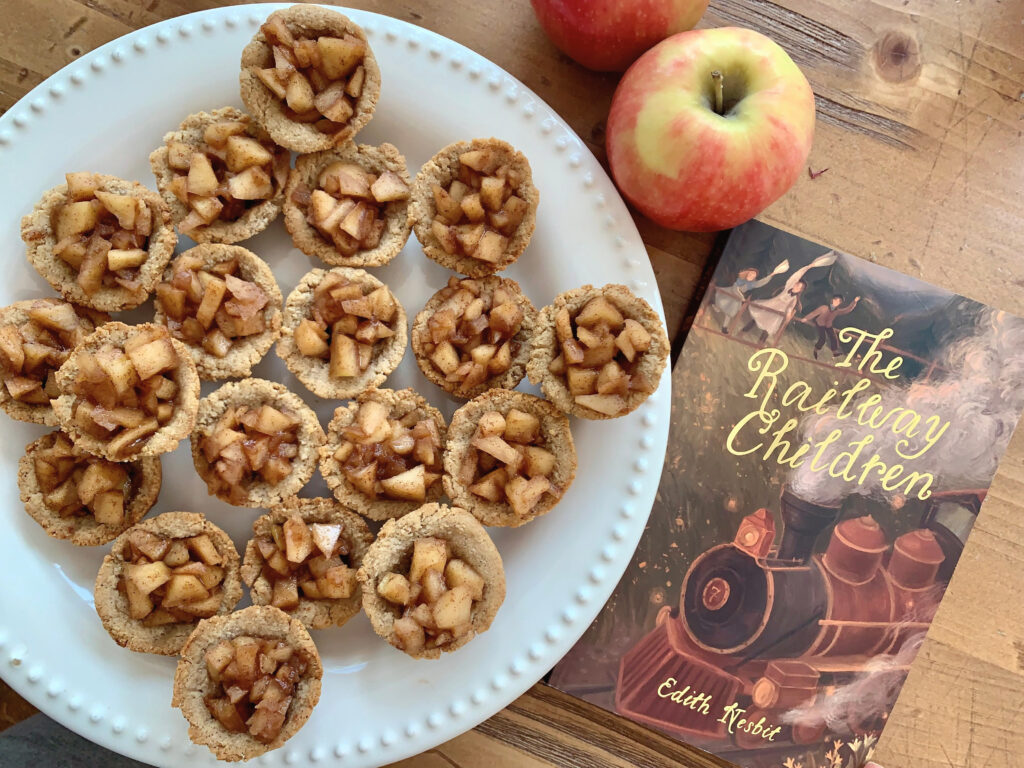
x: 836, y: 426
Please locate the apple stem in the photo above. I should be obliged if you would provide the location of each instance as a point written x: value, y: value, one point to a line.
x: 719, y: 90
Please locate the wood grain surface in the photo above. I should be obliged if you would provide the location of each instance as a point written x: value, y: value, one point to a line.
x: 920, y: 123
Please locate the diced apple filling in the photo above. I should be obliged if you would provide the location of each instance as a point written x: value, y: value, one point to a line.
x: 436, y: 597
x: 255, y: 680
x: 384, y: 456
x: 76, y: 484
x: 171, y: 580
x: 103, y: 236
x: 126, y: 395
x: 30, y: 353
x: 319, y: 79
x: 507, y: 461
x: 306, y: 560
x: 600, y: 354
x: 348, y: 205
x: 211, y: 306
x: 480, y: 210
x: 225, y: 175
x: 346, y: 322
x: 248, y: 443
x: 471, y: 337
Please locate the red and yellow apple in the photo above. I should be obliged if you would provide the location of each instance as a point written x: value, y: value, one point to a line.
x: 690, y: 163
x: 608, y: 35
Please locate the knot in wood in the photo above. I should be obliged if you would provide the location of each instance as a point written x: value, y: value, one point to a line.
x: 897, y: 57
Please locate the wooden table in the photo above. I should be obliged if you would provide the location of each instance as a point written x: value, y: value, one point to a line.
x: 920, y: 123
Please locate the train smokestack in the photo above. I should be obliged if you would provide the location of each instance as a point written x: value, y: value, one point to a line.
x: 803, y: 521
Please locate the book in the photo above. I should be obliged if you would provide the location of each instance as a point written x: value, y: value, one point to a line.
x: 835, y: 428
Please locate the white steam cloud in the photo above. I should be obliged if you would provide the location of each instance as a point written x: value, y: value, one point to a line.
x: 981, y: 396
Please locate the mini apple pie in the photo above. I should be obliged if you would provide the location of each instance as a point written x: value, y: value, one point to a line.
x: 432, y: 581
x: 247, y: 682
x: 344, y: 332
x: 100, y: 241
x: 84, y: 498
x: 510, y: 457
x: 303, y: 559
x: 349, y: 206
x: 309, y: 78
x: 222, y: 177
x: 474, y: 335
x: 383, y: 453
x: 161, y: 577
x: 599, y: 352
x: 36, y: 337
x: 474, y: 206
x: 129, y: 391
x: 223, y: 302
x: 255, y: 443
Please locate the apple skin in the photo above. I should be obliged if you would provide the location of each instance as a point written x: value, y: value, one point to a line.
x: 608, y: 35
x: 686, y: 167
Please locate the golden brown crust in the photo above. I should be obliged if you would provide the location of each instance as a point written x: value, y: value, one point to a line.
x: 84, y: 531
x: 39, y: 236
x: 166, y: 438
x: 112, y: 605
x: 441, y: 169
x: 557, y: 439
x: 400, y: 403
x: 190, y: 132
x: 310, y: 21
x: 245, y: 351
x: 420, y: 336
x: 16, y: 314
x: 392, y: 551
x: 314, y: 614
x: 192, y: 682
x: 307, y: 239
x: 253, y: 393
x: 314, y: 372
x: 546, y: 347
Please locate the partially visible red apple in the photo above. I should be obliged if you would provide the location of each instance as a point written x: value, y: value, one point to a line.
x: 608, y: 35
x: 689, y: 165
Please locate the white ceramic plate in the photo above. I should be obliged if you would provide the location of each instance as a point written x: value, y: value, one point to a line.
x: 106, y: 112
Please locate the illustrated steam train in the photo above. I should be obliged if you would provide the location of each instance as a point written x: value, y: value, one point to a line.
x: 771, y: 625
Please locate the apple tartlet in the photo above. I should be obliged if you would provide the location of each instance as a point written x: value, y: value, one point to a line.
x: 129, y: 391
x: 599, y: 352
x: 161, y: 577
x: 100, y: 241
x: 344, y: 332
x: 221, y: 176
x: 383, y: 453
x: 85, y: 499
x: 474, y: 206
x: 510, y: 457
x: 255, y: 443
x: 223, y: 303
x: 349, y: 206
x: 36, y: 337
x: 432, y: 581
x: 247, y: 682
x: 309, y: 78
x: 303, y: 559
x: 474, y: 335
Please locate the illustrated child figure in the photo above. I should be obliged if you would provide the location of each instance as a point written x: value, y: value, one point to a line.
x: 823, y: 318
x: 730, y: 300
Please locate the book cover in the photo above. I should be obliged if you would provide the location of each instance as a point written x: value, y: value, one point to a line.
x: 836, y: 425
